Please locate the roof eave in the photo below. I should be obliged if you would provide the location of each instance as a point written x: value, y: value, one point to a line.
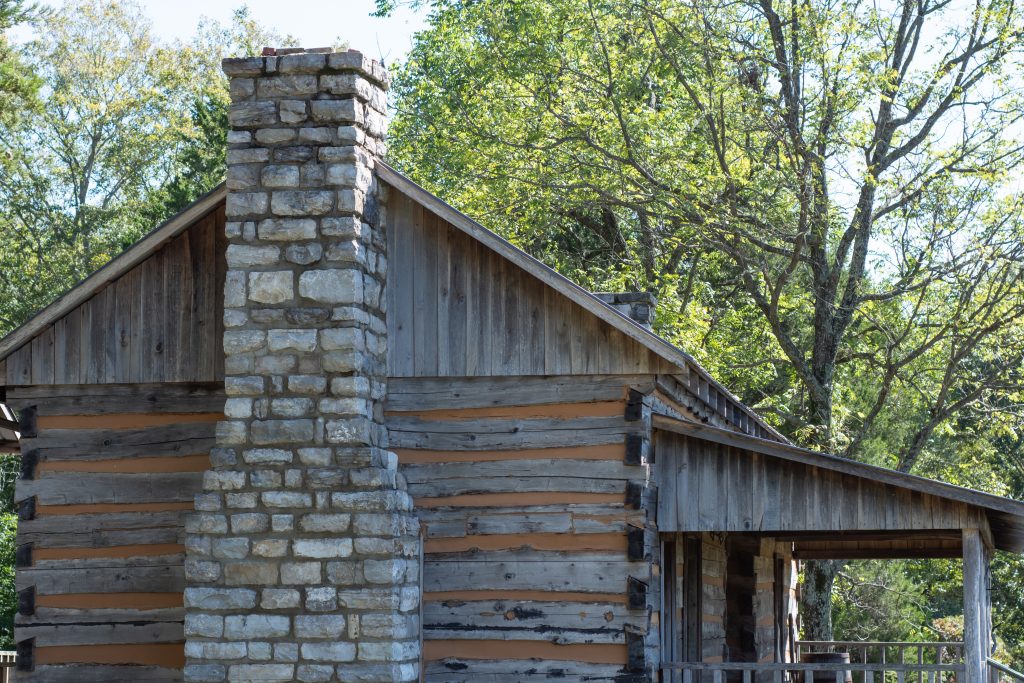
x: 1005, y: 515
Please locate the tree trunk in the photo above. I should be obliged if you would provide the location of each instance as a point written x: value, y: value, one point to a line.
x: 816, y: 599
x: 819, y: 577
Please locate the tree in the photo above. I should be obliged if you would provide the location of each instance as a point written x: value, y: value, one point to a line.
x: 126, y: 133
x: 17, y: 84
x: 199, y: 163
x: 827, y: 176
x: 82, y: 162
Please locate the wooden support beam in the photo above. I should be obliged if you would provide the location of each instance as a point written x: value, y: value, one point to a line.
x: 27, y: 422
x: 27, y: 601
x: 635, y: 650
x: 634, y: 449
x: 634, y: 495
x: 636, y: 591
x: 635, y: 542
x: 27, y: 509
x: 26, y: 660
x: 976, y: 636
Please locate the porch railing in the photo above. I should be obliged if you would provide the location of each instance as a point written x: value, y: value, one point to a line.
x: 870, y: 652
x: 8, y: 659
x: 858, y: 672
x: 1000, y: 673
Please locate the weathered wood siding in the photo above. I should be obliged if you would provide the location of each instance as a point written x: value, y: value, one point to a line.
x: 705, y: 486
x: 458, y: 309
x: 159, y: 322
x: 521, y: 487
x: 108, y: 475
x: 728, y: 600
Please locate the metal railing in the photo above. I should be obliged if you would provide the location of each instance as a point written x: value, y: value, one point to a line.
x: 788, y: 672
x: 1000, y: 673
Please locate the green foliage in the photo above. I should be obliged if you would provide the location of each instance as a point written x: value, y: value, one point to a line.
x: 8, y: 594
x: 17, y: 84
x: 126, y: 133
x: 820, y: 193
x: 877, y: 600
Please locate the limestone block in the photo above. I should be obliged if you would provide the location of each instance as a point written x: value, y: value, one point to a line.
x: 260, y: 673
x: 266, y: 455
x: 300, y: 573
x: 300, y: 85
x: 248, y: 626
x: 271, y: 287
x: 280, y: 598
x: 294, y: 339
x: 251, y: 573
x: 328, y: 652
x: 322, y: 548
x: 251, y: 115
x: 301, y: 202
x: 334, y: 286
x: 249, y: 522
x: 220, y: 598
x: 320, y: 626
x: 325, y: 522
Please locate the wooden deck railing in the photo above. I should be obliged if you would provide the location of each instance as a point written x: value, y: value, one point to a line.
x: 871, y: 652
x: 1000, y: 673
x: 8, y: 658
x: 859, y: 672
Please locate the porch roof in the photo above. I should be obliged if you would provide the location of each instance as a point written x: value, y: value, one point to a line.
x: 714, y: 479
x: 8, y: 430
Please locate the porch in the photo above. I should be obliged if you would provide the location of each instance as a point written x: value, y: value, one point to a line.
x: 870, y: 662
x: 737, y: 514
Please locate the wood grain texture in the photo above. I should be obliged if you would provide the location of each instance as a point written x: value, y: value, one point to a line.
x: 113, y: 485
x: 116, y: 268
x: 885, y: 499
x: 72, y: 673
x: 160, y: 320
x: 103, y: 399
x: 520, y: 486
x: 610, y: 334
x: 709, y: 486
x: 453, y: 669
x: 458, y: 308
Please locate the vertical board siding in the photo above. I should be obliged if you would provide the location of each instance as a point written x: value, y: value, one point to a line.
x: 713, y: 487
x: 160, y: 321
x: 456, y: 309
x: 116, y: 470
x: 520, y: 487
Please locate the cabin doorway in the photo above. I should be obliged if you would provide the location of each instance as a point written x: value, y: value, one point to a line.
x: 683, y: 605
x: 740, y: 594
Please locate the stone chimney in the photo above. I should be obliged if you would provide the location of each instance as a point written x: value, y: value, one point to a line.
x: 302, y: 555
x: 639, y: 306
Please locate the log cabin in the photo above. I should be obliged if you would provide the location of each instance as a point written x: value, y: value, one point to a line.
x: 322, y: 426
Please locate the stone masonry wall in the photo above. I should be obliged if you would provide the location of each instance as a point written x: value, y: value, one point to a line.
x: 303, y: 553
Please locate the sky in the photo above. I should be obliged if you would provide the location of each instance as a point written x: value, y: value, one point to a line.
x: 315, y: 23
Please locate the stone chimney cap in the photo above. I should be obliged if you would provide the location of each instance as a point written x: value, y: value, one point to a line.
x: 297, y: 60
x: 636, y: 305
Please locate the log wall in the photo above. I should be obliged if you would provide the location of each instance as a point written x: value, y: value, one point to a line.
x: 159, y: 322
x: 533, y: 538
x: 108, y: 474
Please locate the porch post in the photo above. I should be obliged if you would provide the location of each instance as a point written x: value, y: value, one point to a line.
x: 976, y: 635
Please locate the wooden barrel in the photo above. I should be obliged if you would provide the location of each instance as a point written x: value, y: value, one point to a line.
x: 826, y: 658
